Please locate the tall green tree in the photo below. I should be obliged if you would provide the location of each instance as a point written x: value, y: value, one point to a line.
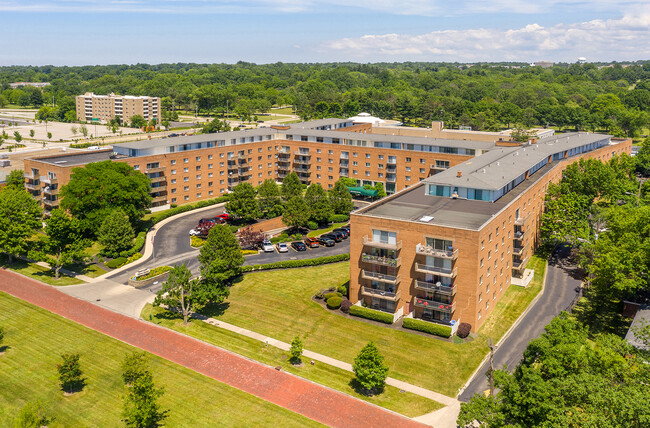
x: 318, y: 204
x: 291, y: 187
x: 242, y: 202
x: 16, y: 179
x: 268, y: 197
x: 32, y: 415
x: 182, y: 292
x: 115, y: 233
x: 221, y: 261
x: 70, y: 374
x: 642, y: 159
x: 134, y: 365
x: 141, y: 407
x: 20, y: 218
x: 101, y: 187
x: 340, y: 198
x: 63, y: 242
x: 296, y: 212
x: 369, y: 369
x: 137, y: 121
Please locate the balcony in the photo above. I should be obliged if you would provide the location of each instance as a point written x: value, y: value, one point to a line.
x: 50, y: 191
x: 232, y: 167
x: 282, y: 167
x: 345, y: 156
x: 153, y: 170
x: 392, y: 169
x: 439, y: 167
x: 344, y: 164
x: 51, y: 204
x: 160, y: 188
x: 447, y: 290
x: 49, y: 181
x: 300, y: 169
x: 381, y: 294
x: 391, y: 178
x: 242, y: 160
x: 517, y: 251
x: 282, y: 174
x: 30, y: 175
x: 423, y: 302
x: 381, y: 277
x: 159, y: 179
x: 392, y: 161
x: 385, y: 245
x: 299, y: 153
x: 425, y: 250
x: 284, y: 151
x: 435, y: 270
x: 519, y: 264
x: 159, y: 199
x: 520, y: 221
x: 33, y: 186
x: 302, y: 161
x: 344, y: 172
x: 381, y: 261
x: 519, y: 235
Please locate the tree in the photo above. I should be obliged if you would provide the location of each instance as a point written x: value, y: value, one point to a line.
x: 268, y: 198
x: 379, y: 187
x: 521, y: 134
x: 215, y: 125
x: 32, y: 415
x: 567, y: 379
x: 134, y: 365
x: 17, y: 137
x: 74, y: 130
x: 296, y: 350
x: 242, y: 202
x: 101, y: 187
x: 16, y: 179
x: 49, y: 135
x: 137, y: 121
x: 221, y: 261
x: 296, y: 212
x: 318, y: 204
x: 642, y: 159
x: 340, y: 198
x: 70, y: 375
x: 182, y: 292
x: 2, y: 336
x: 250, y: 237
x: 116, y: 233
x: 291, y: 186
x: 141, y: 408
x: 32, y: 133
x: 369, y: 369
x: 20, y: 217
x: 62, y: 243
x: 84, y: 130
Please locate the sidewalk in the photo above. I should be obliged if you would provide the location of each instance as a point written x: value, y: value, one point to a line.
x: 314, y: 401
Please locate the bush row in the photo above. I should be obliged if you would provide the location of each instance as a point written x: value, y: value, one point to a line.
x: 288, y: 264
x: 248, y: 252
x: 427, y: 327
x: 156, y: 218
x: 153, y: 272
x: 371, y: 314
x: 121, y: 261
x: 137, y: 245
x: 285, y: 237
x: 339, y: 218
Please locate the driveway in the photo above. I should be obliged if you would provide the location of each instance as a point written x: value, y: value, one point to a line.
x: 559, y: 292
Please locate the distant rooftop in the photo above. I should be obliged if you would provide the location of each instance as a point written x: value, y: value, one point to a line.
x: 78, y: 158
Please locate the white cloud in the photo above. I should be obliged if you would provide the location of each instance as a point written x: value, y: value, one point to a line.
x: 626, y: 38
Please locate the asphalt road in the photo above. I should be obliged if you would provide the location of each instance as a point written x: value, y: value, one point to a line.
x: 559, y: 292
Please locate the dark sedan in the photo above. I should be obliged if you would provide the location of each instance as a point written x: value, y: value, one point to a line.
x: 336, y: 237
x: 343, y: 231
x: 299, y: 246
x: 326, y: 241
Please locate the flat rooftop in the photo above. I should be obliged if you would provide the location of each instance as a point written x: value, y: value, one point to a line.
x: 414, y: 205
x: 77, y: 159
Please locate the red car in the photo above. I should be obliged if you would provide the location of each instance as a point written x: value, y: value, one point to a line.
x: 312, y: 242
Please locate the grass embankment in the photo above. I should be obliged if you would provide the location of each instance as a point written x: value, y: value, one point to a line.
x: 330, y: 228
x: 35, y: 339
x: 39, y: 273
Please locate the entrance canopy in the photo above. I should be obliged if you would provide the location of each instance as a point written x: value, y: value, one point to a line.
x: 360, y: 191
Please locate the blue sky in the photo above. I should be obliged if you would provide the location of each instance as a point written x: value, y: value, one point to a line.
x: 80, y: 32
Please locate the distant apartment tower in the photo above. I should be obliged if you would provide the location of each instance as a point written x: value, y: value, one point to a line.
x: 102, y: 108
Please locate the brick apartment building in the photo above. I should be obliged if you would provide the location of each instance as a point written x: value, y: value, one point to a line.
x: 447, y: 249
x: 103, y: 108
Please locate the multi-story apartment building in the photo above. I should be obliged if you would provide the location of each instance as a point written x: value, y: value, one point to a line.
x: 102, y: 108
x: 190, y: 168
x: 447, y: 249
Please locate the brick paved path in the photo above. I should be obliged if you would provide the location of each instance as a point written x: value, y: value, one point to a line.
x: 298, y: 395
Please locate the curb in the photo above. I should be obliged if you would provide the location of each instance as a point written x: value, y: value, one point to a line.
x: 508, y: 332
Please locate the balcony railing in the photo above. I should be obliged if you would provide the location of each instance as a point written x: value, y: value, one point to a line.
x: 29, y: 175
x: 441, y: 271
x: 284, y: 151
x: 50, y: 191
x: 299, y: 153
x: 158, y: 179
x: 519, y: 264
x: 159, y: 188
x: 435, y: 305
x: 392, y: 169
x: 519, y: 235
x: 517, y: 251
x: 51, y: 203
x: 391, y: 179
x: 382, y: 261
x: 392, y: 161
x: 32, y: 186
x: 520, y: 221
x: 425, y: 250
x: 282, y: 167
x: 447, y: 290
x: 440, y: 167
x: 382, y: 277
x: 378, y: 244
x: 381, y: 294
x: 152, y: 170
x: 301, y: 169
x: 159, y: 199
x: 49, y: 181
x: 344, y: 173
x: 302, y: 161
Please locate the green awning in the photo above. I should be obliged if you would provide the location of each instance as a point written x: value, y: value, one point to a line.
x: 360, y: 191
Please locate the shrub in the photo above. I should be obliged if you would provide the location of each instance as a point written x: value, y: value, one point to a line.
x: 248, y: 252
x: 339, y: 218
x: 320, y: 295
x: 288, y: 264
x: 284, y: 235
x: 346, y: 305
x: 343, y: 290
x: 371, y: 314
x: 427, y: 327
x: 233, y: 228
x: 173, y: 205
x: 312, y: 225
x: 115, y: 263
x: 463, y: 330
x: 133, y: 258
x: 297, y: 237
x: 334, y: 302
x: 137, y: 245
x: 153, y: 272
x: 196, y: 241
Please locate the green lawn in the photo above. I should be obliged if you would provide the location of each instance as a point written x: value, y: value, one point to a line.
x: 284, y: 110
x: 408, y: 404
x: 39, y: 273
x: 318, y: 232
x: 90, y: 270
x: 35, y: 339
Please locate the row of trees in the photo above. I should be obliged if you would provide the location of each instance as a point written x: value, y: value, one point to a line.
x: 485, y: 96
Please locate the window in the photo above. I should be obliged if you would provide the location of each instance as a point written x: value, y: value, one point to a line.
x: 408, y: 169
x: 198, y: 167
x: 186, y: 179
x: 367, y: 164
x: 480, y: 297
x: 367, y: 155
x: 209, y: 166
x: 367, y: 173
x: 408, y: 159
x: 198, y: 158
x: 210, y: 174
x: 423, y: 161
x: 186, y: 197
x: 173, y: 162
x: 186, y: 160
x: 173, y: 172
x: 186, y: 188
x: 407, y: 178
x: 481, y: 262
x: 209, y: 157
x: 186, y: 169
x: 173, y: 200
x: 422, y: 171
x: 173, y: 181
x: 479, y: 314
x: 174, y: 190
x: 482, y: 244
x: 198, y: 186
x: 489, y: 255
x: 480, y: 280
x: 384, y: 236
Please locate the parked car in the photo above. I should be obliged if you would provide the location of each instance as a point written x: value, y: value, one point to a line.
x: 173, y: 134
x: 327, y: 242
x: 283, y: 247
x: 267, y: 246
x: 343, y: 231
x: 194, y: 232
x: 312, y: 242
x: 224, y: 216
x: 299, y: 246
x: 336, y: 237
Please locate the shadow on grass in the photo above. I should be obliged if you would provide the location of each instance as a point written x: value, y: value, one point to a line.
x: 359, y: 389
x: 601, y: 315
x: 75, y: 387
x: 4, y: 348
x: 214, y: 310
x: 167, y: 315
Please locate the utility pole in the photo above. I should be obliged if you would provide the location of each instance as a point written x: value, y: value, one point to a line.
x: 491, y: 374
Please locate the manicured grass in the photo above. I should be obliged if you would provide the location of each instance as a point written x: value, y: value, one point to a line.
x: 40, y: 273
x: 318, y: 232
x: 406, y: 403
x: 278, y: 304
x: 90, y: 270
x: 514, y: 302
x: 284, y: 110
x: 35, y: 339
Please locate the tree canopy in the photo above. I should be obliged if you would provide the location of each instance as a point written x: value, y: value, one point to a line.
x: 242, y: 202
x: 20, y: 217
x: 291, y: 186
x: 318, y: 204
x: 221, y: 261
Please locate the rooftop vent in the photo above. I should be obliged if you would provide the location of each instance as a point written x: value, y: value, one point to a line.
x: 459, y: 174
x: 426, y: 218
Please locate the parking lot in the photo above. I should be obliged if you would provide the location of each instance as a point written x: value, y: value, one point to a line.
x: 311, y: 253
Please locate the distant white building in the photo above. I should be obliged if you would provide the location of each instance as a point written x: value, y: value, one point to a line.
x: 582, y: 60
x: 39, y: 85
x: 366, y: 118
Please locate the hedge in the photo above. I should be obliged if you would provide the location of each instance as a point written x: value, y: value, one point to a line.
x: 312, y: 225
x: 156, y: 218
x: 463, y: 330
x: 371, y: 314
x: 137, y: 245
x: 427, y: 327
x: 115, y: 263
x: 339, y: 218
x: 248, y: 252
x: 288, y: 264
x: 334, y: 302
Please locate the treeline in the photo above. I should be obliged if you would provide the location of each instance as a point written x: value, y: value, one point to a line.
x: 485, y: 96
